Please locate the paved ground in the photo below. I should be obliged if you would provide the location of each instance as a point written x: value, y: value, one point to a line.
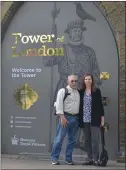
x: 9, y: 163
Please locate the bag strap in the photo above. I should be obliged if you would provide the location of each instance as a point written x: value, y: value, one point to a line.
x: 102, y: 138
x: 66, y: 94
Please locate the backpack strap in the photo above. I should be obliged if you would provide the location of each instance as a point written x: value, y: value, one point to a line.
x: 66, y: 94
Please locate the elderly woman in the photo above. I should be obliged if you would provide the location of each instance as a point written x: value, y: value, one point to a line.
x: 91, y: 118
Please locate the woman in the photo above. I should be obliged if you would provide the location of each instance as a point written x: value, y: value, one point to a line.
x: 91, y: 118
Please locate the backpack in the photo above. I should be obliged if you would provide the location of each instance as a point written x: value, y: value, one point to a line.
x: 65, y: 96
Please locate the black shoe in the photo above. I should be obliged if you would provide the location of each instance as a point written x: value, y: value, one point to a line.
x: 69, y: 162
x: 88, y: 162
x: 96, y: 163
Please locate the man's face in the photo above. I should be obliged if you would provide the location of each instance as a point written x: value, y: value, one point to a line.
x: 75, y: 34
x: 72, y: 81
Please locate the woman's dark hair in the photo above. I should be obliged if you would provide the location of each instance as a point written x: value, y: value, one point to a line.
x: 93, y: 88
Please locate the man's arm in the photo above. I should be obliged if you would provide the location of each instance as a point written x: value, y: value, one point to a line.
x: 59, y: 107
x: 95, y: 68
x: 59, y: 102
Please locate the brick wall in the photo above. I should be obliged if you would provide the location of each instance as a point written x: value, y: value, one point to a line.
x: 115, y: 13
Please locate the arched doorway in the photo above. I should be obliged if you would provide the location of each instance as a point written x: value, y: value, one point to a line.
x: 98, y: 38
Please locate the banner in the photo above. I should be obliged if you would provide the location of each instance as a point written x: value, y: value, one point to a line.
x: 44, y: 43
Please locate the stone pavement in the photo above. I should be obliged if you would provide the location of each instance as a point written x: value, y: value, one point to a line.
x: 12, y: 163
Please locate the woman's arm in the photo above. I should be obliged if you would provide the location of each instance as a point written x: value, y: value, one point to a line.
x: 81, y: 124
x: 81, y: 101
x: 101, y: 109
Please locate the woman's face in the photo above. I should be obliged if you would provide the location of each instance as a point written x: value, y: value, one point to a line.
x: 88, y: 80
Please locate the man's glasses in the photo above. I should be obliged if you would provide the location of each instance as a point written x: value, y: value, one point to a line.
x: 72, y: 81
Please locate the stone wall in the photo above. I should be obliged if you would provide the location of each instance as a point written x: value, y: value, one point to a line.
x: 115, y: 13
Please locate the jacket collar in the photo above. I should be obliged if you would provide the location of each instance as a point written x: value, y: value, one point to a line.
x: 83, y: 91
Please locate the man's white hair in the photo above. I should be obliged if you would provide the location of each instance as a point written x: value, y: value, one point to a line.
x: 72, y: 75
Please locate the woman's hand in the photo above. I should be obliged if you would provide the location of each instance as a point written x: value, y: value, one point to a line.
x: 102, y: 121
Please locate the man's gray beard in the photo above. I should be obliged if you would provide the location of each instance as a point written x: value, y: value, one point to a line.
x: 74, y: 88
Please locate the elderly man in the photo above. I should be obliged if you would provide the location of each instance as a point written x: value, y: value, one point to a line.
x: 78, y: 58
x: 68, y: 112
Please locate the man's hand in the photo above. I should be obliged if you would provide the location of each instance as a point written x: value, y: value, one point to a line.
x: 63, y: 120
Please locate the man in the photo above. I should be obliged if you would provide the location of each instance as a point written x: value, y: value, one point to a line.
x: 68, y: 112
x: 78, y: 58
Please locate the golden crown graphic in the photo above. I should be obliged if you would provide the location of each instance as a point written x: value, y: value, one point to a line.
x: 25, y: 96
x: 104, y: 76
x: 105, y: 101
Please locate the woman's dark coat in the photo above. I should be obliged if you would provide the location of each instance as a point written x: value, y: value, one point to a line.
x: 97, y: 109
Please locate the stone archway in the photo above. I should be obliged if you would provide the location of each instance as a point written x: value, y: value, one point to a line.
x: 115, y: 13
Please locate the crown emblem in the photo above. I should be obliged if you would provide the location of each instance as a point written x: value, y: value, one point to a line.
x: 25, y: 96
x: 104, y: 76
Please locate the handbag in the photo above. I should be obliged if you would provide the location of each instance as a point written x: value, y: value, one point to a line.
x: 104, y: 154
